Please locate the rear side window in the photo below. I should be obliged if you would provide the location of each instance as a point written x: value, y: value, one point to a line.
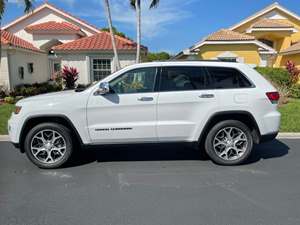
x: 184, y: 78
x: 228, y: 78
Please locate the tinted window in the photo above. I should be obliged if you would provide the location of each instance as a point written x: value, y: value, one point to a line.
x: 184, y: 78
x: 135, y: 81
x: 228, y: 78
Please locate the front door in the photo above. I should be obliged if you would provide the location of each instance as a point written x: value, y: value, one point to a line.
x: 128, y: 113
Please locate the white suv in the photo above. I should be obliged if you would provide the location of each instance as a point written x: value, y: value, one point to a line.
x: 223, y: 107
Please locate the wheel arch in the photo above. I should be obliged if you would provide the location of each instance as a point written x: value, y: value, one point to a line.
x: 243, y: 116
x: 32, y: 121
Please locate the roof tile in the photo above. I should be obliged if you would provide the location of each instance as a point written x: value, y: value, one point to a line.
x: 100, y: 41
x: 53, y: 26
x: 272, y: 23
x: 228, y: 35
x: 8, y: 38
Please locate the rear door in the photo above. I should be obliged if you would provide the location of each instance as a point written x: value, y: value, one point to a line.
x: 186, y: 100
x: 232, y: 87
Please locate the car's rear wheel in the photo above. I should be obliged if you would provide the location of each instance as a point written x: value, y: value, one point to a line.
x: 49, y: 145
x: 229, y: 142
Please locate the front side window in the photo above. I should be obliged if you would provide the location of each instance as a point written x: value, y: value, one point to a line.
x: 184, y: 78
x: 228, y: 78
x: 135, y: 81
x: 101, y: 68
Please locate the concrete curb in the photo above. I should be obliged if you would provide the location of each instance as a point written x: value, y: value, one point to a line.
x: 279, y: 136
x: 4, y: 138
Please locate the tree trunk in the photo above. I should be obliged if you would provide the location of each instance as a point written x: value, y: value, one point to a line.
x: 113, y: 40
x: 138, y: 30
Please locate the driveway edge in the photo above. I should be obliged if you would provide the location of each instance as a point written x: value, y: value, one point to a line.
x: 279, y: 136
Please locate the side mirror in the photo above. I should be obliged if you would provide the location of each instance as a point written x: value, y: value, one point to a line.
x: 103, y: 88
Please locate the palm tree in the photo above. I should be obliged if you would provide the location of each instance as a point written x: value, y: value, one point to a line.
x: 136, y: 4
x: 28, y: 8
x: 113, y: 40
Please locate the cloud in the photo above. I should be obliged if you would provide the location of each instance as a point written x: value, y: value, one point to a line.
x: 154, y: 21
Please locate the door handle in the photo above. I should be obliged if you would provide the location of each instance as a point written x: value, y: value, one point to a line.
x: 145, y: 99
x: 207, y: 96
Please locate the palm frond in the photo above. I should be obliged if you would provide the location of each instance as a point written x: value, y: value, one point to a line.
x: 132, y: 3
x: 28, y: 5
x: 154, y: 4
x: 2, y: 8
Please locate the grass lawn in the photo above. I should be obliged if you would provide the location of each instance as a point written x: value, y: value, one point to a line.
x: 290, y: 116
x: 5, y: 112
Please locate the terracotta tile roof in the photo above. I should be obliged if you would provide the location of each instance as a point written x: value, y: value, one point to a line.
x: 272, y: 23
x: 228, y: 35
x: 100, y: 41
x: 293, y: 48
x: 8, y: 38
x: 54, y: 26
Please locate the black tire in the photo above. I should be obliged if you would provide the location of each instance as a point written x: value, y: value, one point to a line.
x: 60, y: 129
x: 209, y: 147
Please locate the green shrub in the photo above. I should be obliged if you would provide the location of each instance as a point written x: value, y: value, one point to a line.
x: 35, y: 89
x: 295, y: 91
x: 279, y: 76
x: 9, y: 100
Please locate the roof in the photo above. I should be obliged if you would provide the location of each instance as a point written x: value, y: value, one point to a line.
x: 100, y: 41
x: 295, y: 48
x: 53, y: 26
x: 57, y: 10
x: 228, y: 35
x: 264, y: 11
x: 272, y: 23
x: 8, y: 38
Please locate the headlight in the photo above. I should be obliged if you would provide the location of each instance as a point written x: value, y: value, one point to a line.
x: 18, y: 109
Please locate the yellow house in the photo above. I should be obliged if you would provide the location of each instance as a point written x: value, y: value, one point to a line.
x: 270, y: 37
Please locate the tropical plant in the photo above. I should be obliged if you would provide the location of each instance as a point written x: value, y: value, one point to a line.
x: 136, y: 4
x: 113, y: 40
x: 70, y: 76
x: 293, y: 71
x: 157, y: 56
x: 115, y: 31
x: 28, y: 8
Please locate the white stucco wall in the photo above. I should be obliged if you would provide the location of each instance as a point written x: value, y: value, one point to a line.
x: 4, y: 71
x: 82, y: 62
x: 41, y: 39
x: 20, y: 58
x: 45, y: 15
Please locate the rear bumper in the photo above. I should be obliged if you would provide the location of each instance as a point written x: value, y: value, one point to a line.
x: 268, y: 137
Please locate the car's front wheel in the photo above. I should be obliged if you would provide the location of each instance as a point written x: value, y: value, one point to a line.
x: 229, y: 142
x: 49, y: 145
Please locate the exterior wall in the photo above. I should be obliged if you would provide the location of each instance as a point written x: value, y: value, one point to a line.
x: 42, y: 16
x: 295, y: 58
x: 248, y: 52
x: 42, y: 39
x: 4, y: 71
x: 19, y: 58
x: 82, y: 62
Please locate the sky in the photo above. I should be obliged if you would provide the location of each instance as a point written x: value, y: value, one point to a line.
x: 173, y: 26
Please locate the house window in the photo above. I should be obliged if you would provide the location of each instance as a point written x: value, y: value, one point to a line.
x: 101, y: 68
x: 21, y: 72
x: 227, y: 59
x: 30, y: 67
x: 267, y: 42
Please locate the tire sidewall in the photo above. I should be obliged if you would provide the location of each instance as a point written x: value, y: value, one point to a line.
x: 62, y: 130
x: 212, y: 133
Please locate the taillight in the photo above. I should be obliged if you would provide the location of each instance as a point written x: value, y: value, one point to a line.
x: 273, y: 96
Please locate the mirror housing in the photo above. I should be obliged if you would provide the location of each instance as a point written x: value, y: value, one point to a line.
x: 103, y: 88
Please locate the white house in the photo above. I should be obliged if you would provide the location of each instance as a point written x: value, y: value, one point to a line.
x: 38, y: 44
